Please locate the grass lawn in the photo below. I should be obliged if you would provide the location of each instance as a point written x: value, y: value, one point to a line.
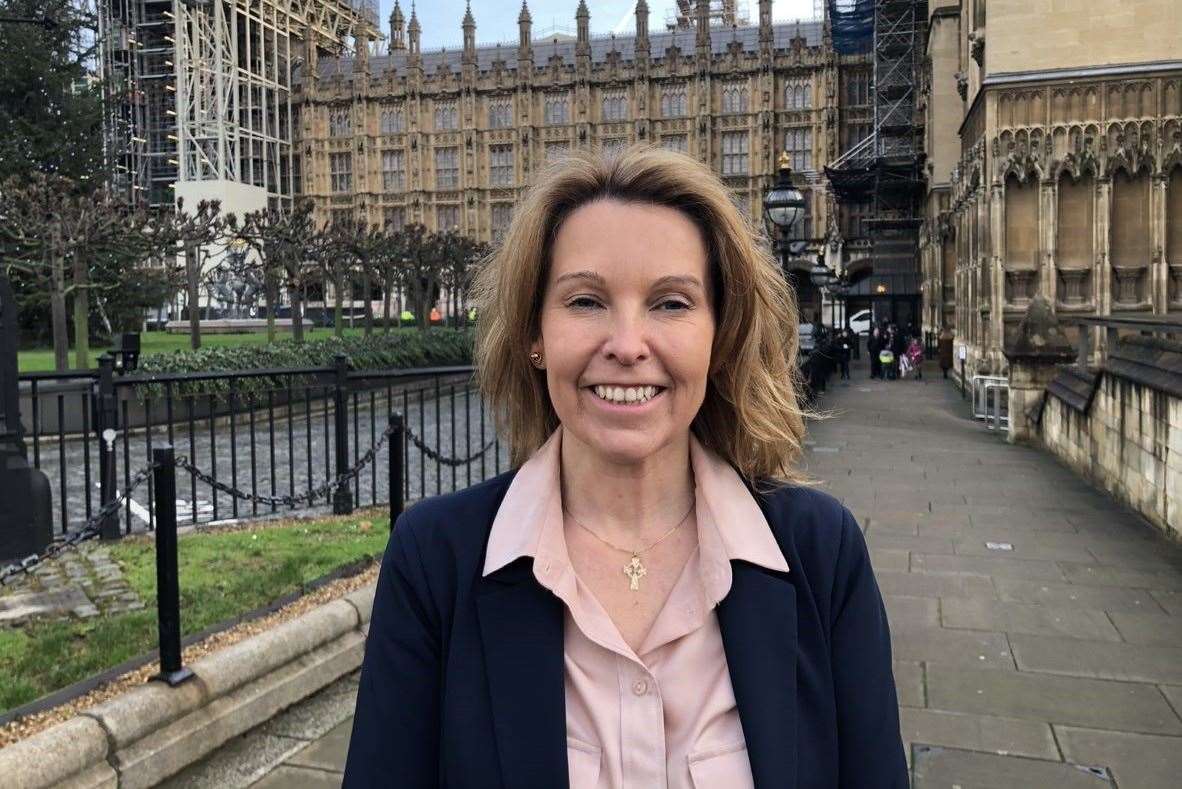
x: 223, y: 574
x: 39, y: 359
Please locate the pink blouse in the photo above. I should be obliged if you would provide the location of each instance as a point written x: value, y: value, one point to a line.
x: 665, y: 715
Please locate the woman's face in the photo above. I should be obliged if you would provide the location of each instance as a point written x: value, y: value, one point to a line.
x: 627, y: 327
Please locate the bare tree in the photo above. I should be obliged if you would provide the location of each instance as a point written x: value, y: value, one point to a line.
x: 55, y: 231
x: 193, y: 231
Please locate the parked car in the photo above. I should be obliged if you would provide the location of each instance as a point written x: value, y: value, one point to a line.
x: 859, y: 322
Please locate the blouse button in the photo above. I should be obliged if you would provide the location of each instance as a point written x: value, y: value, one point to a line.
x: 639, y: 687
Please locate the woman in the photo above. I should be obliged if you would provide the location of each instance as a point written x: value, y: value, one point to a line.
x: 654, y: 598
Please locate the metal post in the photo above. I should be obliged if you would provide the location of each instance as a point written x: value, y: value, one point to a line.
x: 342, y: 497
x: 964, y: 384
x: 396, y: 459
x: 106, y: 423
x: 168, y: 593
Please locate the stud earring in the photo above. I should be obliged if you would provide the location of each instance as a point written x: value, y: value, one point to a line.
x: 536, y: 358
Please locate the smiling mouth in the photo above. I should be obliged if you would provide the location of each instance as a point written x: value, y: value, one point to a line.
x: 626, y: 395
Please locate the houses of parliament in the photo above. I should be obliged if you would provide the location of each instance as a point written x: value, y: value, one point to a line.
x: 450, y: 138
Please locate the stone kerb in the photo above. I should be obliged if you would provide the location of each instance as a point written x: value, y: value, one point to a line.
x: 153, y: 731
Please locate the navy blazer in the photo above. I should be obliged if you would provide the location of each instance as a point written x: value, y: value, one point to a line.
x: 462, y: 681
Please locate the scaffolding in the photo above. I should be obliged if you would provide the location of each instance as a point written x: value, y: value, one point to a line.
x: 199, y: 91
x: 886, y: 168
x: 725, y: 13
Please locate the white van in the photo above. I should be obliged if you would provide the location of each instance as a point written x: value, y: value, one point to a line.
x: 859, y: 322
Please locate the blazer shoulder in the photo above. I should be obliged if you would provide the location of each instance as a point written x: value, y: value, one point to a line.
x: 460, y: 520
x: 810, y: 520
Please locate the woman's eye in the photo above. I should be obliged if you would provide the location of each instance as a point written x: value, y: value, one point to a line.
x: 672, y: 305
x: 582, y: 303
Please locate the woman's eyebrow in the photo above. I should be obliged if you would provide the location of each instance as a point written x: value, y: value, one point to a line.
x: 589, y: 276
x: 684, y: 280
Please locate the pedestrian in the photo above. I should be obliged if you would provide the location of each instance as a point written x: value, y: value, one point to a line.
x: 634, y: 603
x: 873, y: 346
x: 845, y: 341
x: 945, y: 348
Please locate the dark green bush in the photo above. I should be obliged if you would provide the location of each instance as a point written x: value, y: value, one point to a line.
x: 436, y: 347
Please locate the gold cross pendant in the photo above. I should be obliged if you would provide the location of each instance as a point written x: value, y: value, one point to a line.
x: 634, y: 569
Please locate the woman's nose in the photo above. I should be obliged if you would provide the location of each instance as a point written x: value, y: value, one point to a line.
x: 626, y: 342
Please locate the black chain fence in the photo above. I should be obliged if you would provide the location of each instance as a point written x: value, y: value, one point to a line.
x: 93, y: 526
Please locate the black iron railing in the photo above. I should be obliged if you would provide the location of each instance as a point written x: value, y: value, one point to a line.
x: 276, y: 435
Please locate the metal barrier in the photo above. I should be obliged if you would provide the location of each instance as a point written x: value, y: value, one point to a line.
x: 279, y: 434
x: 991, y: 395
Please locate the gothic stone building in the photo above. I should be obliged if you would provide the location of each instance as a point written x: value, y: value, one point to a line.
x: 450, y: 138
x: 1054, y: 164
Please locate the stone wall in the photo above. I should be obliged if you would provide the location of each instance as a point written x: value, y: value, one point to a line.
x: 1129, y: 442
x: 1027, y: 35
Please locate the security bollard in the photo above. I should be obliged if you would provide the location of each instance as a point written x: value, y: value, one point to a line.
x: 396, y: 460
x: 168, y: 592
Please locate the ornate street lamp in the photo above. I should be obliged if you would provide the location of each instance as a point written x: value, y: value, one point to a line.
x: 783, y: 205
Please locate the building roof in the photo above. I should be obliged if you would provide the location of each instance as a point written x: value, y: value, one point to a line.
x: 545, y: 48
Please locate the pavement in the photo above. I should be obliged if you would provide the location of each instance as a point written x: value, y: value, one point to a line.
x: 1036, y: 624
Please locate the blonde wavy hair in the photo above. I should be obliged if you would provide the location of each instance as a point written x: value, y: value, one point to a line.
x: 752, y: 414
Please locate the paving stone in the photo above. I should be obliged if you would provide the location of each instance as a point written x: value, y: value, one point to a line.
x: 949, y: 768
x: 888, y: 540
x: 1065, y: 595
x: 934, y: 585
x: 1011, y: 617
x: 1092, y: 703
x: 21, y: 607
x: 889, y: 559
x: 1006, y: 736
x: 1173, y: 694
x: 1019, y: 519
x: 910, y: 613
x: 909, y: 683
x: 288, y: 777
x: 1103, y: 660
x: 1135, y: 760
x: 328, y: 752
x: 1030, y: 546
x: 958, y: 647
x: 1170, y: 601
x: 1001, y: 567
x: 1102, y: 575
x: 1149, y: 628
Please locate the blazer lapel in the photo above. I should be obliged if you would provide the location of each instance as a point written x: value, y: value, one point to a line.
x: 757, y: 619
x: 521, y: 628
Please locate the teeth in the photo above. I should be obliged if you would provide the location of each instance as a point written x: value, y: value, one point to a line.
x: 629, y: 394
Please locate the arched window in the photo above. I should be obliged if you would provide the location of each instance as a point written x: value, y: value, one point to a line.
x: 1174, y: 217
x: 447, y: 116
x: 798, y: 95
x: 615, y: 105
x: 554, y: 109
x: 673, y: 101
x: 1021, y: 227
x: 500, y: 114
x: 1074, y: 247
x: 1130, y: 219
x: 339, y: 124
x: 734, y: 97
x: 393, y: 121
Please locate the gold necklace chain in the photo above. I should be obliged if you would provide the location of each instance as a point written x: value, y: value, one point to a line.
x: 634, y: 569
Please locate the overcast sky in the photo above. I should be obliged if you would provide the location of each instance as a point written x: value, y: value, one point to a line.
x: 496, y: 20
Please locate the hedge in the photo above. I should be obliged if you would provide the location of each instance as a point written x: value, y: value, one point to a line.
x: 436, y: 347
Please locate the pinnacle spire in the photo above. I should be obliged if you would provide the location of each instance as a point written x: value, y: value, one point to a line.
x: 524, y: 15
